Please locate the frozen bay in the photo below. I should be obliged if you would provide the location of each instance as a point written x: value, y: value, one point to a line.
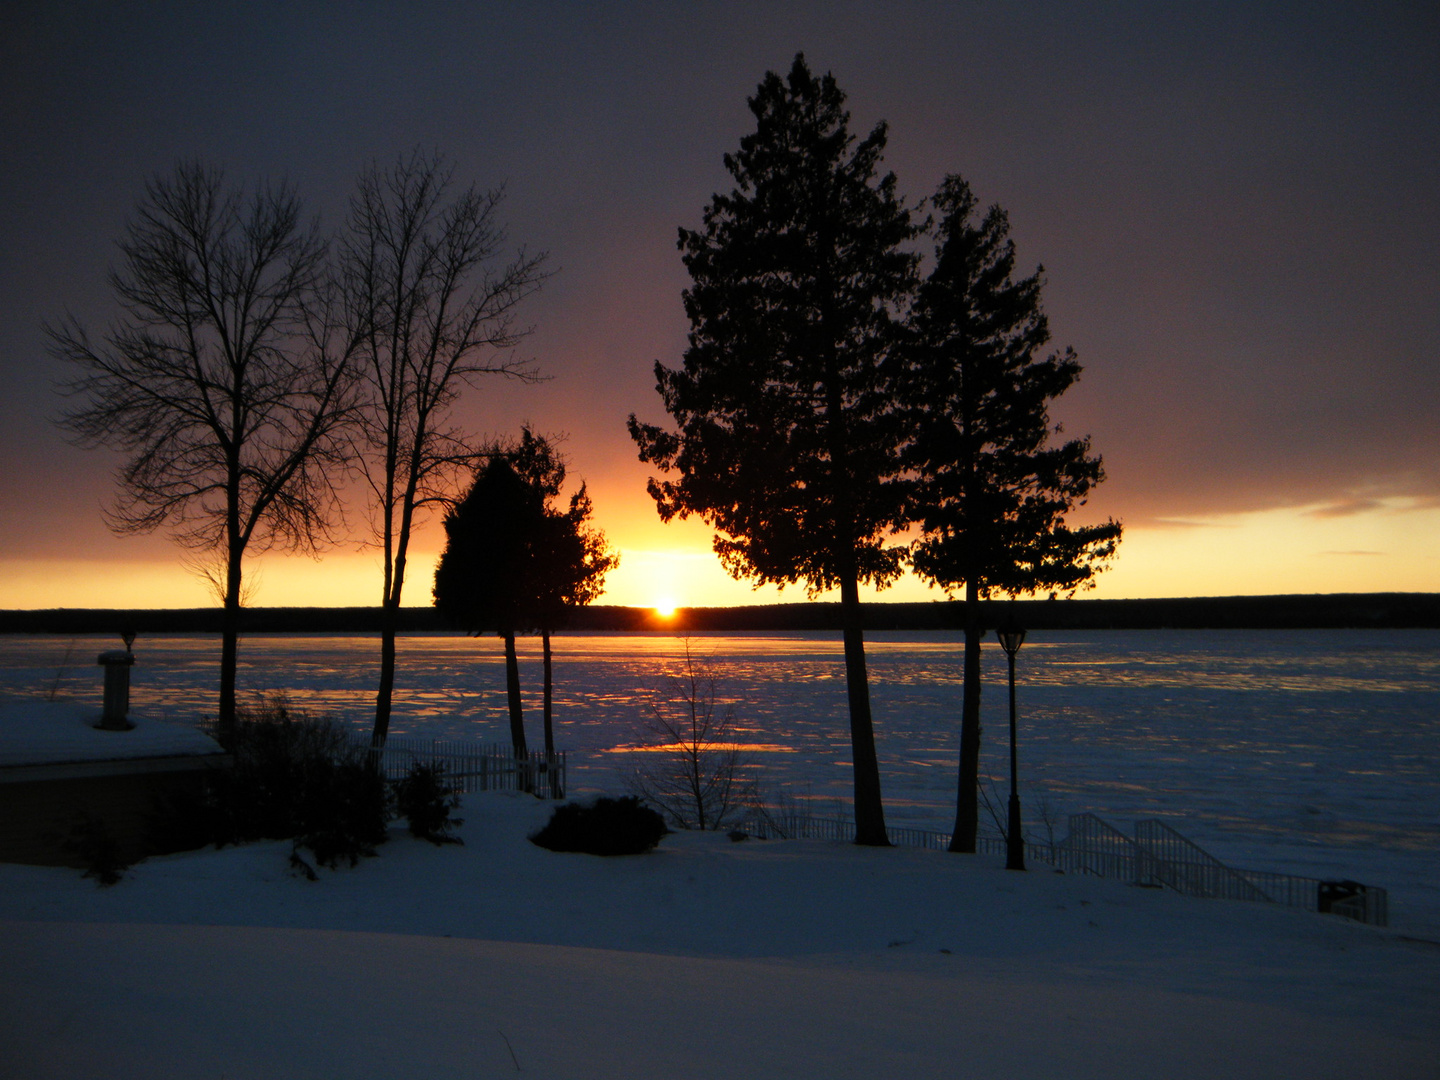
x: 1309, y: 752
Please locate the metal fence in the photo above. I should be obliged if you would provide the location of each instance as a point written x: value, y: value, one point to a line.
x: 1159, y: 856
x: 1184, y: 866
x: 799, y: 826
x: 1155, y: 856
x: 1097, y: 847
x: 473, y: 766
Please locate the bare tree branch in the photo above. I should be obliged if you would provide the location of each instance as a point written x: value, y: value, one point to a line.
x: 431, y: 300
x: 228, y: 400
x: 697, y: 776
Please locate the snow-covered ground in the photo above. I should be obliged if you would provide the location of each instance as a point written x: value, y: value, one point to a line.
x: 35, y: 731
x: 705, y: 958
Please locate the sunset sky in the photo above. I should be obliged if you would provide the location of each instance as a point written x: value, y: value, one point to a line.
x: 1237, y: 207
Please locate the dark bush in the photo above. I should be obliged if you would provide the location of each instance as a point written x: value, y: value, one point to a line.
x: 605, y: 827
x: 348, y: 815
x: 181, y: 816
x: 94, y: 846
x: 298, y: 777
x: 424, y: 798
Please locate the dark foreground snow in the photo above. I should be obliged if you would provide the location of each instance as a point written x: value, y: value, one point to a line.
x: 704, y: 959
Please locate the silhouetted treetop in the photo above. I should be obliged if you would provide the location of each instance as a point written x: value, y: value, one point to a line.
x: 222, y: 385
x: 512, y: 561
x: 995, y: 485
x: 569, y: 558
x: 786, y: 440
x: 481, y: 580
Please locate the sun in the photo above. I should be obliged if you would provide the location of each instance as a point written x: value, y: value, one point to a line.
x: 665, y: 607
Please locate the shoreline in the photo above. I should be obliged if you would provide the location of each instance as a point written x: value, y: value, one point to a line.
x: 1281, y: 612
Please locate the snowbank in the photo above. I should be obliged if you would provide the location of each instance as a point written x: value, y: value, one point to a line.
x: 706, y: 958
x: 39, y: 732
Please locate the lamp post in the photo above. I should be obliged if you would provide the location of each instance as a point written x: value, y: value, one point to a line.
x: 1011, y: 638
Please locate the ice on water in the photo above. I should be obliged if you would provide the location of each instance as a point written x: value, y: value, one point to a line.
x: 1309, y: 752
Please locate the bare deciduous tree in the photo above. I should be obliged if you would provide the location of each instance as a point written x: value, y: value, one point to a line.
x: 217, y: 385
x: 697, y: 777
x: 432, y: 301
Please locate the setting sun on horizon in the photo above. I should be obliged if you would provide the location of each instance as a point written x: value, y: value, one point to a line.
x: 1384, y: 548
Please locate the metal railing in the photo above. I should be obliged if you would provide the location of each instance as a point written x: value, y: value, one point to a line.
x: 1160, y: 856
x: 474, y: 766
x: 792, y: 825
x: 1157, y: 856
x: 1097, y: 847
x: 1184, y: 866
x: 800, y: 826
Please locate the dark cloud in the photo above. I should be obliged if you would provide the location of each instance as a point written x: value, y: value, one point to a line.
x: 1348, y: 508
x: 1236, y: 205
x: 1172, y: 523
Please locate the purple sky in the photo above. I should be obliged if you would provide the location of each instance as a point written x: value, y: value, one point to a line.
x: 1237, y: 205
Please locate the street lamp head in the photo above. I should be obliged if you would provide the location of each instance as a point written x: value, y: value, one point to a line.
x: 1011, y: 638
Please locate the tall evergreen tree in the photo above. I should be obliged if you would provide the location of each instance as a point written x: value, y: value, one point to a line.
x: 788, y: 439
x: 515, y: 563
x: 568, y: 560
x: 993, y: 489
x: 480, y: 580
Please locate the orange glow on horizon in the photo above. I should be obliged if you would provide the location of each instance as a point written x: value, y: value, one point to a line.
x: 1387, y: 548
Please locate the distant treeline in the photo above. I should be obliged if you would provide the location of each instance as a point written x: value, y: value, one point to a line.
x: 1196, y: 613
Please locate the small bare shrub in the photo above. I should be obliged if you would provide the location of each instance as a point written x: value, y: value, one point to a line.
x: 996, y: 807
x: 783, y: 816
x: 92, y: 843
x: 699, y: 781
x: 1050, y: 818
x: 1042, y: 808
x: 54, y: 691
x: 346, y: 814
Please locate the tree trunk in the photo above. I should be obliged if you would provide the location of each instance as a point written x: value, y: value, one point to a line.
x: 551, y: 772
x: 869, y: 811
x: 229, y: 647
x: 967, y: 814
x: 512, y: 691
x: 549, y: 731
x: 388, y: 618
